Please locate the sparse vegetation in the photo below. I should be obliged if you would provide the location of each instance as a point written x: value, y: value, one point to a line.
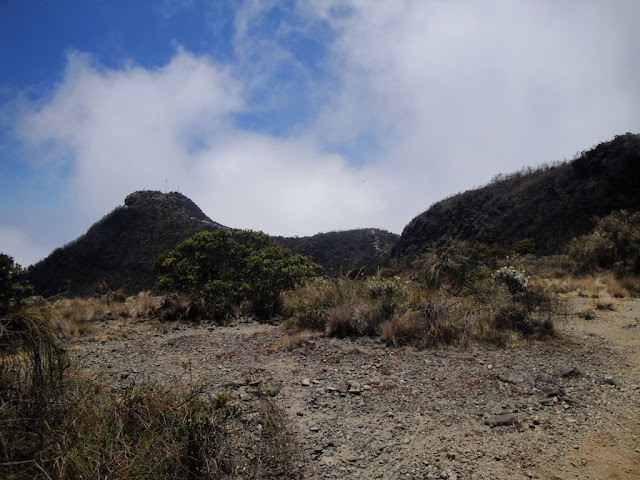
x: 455, y: 298
x: 536, y: 210
x: 62, y: 424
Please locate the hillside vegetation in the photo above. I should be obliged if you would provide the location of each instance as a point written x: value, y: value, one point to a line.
x: 118, y: 251
x: 546, y: 206
x: 337, y: 252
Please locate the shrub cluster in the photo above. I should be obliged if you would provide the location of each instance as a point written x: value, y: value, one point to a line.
x: 227, y: 270
x: 342, y: 306
x: 453, y: 299
x: 614, y: 245
x: 457, y: 266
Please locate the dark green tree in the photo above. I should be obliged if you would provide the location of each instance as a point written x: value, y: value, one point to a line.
x: 13, y: 288
x: 226, y: 269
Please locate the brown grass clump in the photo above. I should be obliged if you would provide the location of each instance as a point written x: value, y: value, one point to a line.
x: 301, y: 339
x: 602, y: 284
x: 342, y: 306
x: 488, y: 310
x: 146, y: 304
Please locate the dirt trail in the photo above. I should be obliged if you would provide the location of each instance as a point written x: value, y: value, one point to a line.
x: 612, y: 448
x: 568, y: 408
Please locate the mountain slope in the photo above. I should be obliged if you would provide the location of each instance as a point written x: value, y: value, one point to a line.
x: 549, y: 205
x: 367, y: 248
x: 120, y: 249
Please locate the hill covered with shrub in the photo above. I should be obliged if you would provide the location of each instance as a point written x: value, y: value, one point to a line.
x: 118, y: 251
x: 541, y: 209
x: 366, y: 248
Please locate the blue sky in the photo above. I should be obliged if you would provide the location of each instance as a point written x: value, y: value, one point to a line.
x: 295, y: 117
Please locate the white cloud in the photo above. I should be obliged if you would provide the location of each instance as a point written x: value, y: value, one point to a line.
x: 18, y: 244
x: 457, y: 91
x: 133, y: 128
x: 451, y: 93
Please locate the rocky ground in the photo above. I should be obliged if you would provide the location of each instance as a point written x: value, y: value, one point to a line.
x: 559, y: 409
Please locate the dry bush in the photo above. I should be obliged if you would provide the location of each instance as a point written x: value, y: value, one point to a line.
x: 342, y: 306
x: 59, y: 424
x: 299, y: 340
x: 630, y: 284
x: 501, y: 308
x: 146, y: 303
x: 602, y: 284
x: 602, y: 304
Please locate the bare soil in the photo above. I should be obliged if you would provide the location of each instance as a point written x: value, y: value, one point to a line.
x: 564, y: 408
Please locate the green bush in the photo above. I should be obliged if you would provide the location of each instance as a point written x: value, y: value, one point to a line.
x: 223, y: 270
x: 614, y: 245
x: 13, y: 288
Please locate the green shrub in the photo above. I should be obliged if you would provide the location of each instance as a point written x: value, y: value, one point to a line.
x: 13, y: 288
x: 614, y: 245
x: 524, y: 247
x: 223, y: 270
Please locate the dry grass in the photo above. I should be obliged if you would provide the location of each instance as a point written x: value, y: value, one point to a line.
x: 60, y: 424
x: 98, y: 320
x: 302, y: 339
x: 602, y: 304
x: 419, y: 315
x: 630, y: 284
x: 146, y: 303
x: 603, y: 284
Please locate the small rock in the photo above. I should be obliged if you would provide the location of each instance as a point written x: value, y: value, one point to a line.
x: 306, y: 382
x: 517, y: 378
x: 343, y: 388
x: 274, y: 392
x: 553, y: 392
x: 610, y: 381
x: 544, y: 377
x: 569, y: 372
x: 500, y: 420
x: 313, y: 428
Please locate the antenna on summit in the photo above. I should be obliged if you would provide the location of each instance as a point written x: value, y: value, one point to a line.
x: 165, y: 185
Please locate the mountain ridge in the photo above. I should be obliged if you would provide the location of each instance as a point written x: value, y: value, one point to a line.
x: 119, y: 250
x: 547, y: 206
